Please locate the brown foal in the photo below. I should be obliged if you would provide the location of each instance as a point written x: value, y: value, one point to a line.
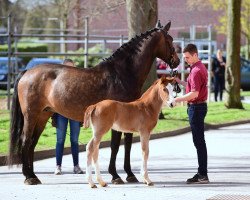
x: 136, y: 116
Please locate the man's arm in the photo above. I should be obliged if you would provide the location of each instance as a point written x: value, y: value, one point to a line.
x: 187, y: 97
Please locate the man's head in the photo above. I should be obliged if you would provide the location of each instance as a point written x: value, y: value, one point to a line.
x: 190, y: 54
x: 69, y: 62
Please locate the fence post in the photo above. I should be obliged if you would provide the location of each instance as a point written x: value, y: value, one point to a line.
x: 86, y: 42
x: 9, y: 61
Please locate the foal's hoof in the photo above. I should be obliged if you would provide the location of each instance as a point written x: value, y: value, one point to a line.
x: 150, y: 184
x: 104, y: 184
x: 93, y: 186
x: 117, y: 181
x: 132, y: 179
x: 32, y: 181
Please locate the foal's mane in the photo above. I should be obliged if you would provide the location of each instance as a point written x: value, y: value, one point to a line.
x: 131, y: 46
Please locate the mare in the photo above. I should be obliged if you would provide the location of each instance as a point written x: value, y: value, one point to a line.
x: 136, y: 116
x: 53, y: 88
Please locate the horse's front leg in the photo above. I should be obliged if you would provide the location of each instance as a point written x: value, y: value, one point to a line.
x: 96, y: 163
x: 128, y: 138
x: 145, y: 152
x: 90, y: 149
x: 115, y: 143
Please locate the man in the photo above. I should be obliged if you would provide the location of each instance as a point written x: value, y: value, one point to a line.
x: 196, y: 96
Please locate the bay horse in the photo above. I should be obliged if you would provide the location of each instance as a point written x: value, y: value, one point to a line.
x: 53, y: 88
x: 137, y: 116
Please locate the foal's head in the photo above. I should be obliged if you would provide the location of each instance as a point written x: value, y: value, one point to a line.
x: 165, y: 88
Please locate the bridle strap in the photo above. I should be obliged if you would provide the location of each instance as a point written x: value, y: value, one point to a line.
x: 177, y: 88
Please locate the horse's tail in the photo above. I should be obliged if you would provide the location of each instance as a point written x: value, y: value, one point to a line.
x: 87, y: 116
x: 16, y: 127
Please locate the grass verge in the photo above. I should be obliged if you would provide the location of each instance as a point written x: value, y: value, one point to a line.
x: 175, y: 119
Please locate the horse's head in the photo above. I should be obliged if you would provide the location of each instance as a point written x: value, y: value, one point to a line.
x: 166, y: 88
x: 166, y: 50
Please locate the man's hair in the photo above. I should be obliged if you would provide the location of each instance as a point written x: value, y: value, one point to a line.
x: 68, y: 60
x: 190, y: 48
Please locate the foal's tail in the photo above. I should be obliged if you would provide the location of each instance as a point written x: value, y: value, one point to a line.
x: 16, y: 127
x: 87, y: 115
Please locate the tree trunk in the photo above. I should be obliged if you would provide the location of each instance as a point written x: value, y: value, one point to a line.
x: 233, y: 55
x: 141, y: 16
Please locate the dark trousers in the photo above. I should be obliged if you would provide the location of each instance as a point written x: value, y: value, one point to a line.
x: 219, y: 85
x: 197, y: 114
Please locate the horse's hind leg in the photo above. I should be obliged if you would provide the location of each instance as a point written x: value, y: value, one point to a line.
x: 31, y: 178
x: 115, y: 143
x: 97, y: 141
x: 128, y: 138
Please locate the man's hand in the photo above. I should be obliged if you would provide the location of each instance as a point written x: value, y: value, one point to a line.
x: 171, y: 103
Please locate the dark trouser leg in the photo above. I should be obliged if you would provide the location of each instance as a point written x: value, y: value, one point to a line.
x: 216, y: 87
x: 115, y: 143
x: 197, y: 115
x: 222, y: 86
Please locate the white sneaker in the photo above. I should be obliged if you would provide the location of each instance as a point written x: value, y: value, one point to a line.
x: 58, y: 170
x: 77, y: 170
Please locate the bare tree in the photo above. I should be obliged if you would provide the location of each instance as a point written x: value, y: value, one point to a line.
x: 141, y: 16
x: 233, y: 55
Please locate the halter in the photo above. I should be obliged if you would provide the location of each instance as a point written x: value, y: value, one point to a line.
x: 172, y: 50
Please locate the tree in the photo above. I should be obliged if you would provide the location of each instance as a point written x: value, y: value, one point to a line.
x: 233, y: 55
x: 221, y: 6
x: 141, y: 16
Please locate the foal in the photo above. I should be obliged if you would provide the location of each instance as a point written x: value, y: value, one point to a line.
x: 137, y: 116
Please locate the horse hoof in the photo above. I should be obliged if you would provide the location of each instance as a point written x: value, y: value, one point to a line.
x: 150, y: 184
x: 32, y: 181
x: 117, y: 181
x: 104, y: 185
x: 132, y: 179
x: 93, y: 186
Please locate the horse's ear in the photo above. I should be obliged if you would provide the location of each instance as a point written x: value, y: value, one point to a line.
x: 158, y: 24
x: 167, y: 27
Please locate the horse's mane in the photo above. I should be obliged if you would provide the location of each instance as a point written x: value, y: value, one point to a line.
x: 131, y: 46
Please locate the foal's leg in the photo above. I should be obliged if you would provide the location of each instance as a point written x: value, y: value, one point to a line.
x: 115, y: 143
x: 96, y: 163
x: 128, y: 138
x: 145, y: 152
x: 90, y: 149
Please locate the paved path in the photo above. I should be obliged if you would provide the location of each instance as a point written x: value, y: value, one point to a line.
x: 172, y: 160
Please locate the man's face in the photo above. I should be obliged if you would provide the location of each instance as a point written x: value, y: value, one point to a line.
x: 190, y: 59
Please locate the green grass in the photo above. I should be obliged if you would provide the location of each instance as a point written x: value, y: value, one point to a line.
x: 175, y: 118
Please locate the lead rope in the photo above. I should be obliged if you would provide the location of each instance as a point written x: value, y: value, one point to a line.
x: 177, y: 88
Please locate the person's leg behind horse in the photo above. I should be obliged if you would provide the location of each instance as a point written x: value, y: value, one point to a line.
x: 61, y: 129
x: 74, y: 138
x: 115, y: 143
x: 128, y: 139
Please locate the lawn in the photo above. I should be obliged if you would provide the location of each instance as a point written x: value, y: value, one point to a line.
x: 175, y: 119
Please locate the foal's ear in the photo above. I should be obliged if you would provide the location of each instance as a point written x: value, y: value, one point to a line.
x: 164, y: 80
x: 167, y: 27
